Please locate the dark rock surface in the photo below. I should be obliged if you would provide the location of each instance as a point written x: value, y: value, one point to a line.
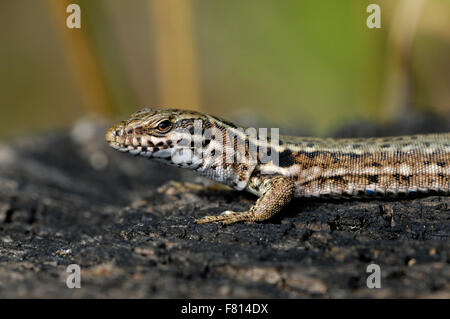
x: 66, y: 198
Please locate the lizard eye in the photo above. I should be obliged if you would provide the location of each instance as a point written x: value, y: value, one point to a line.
x: 164, y: 125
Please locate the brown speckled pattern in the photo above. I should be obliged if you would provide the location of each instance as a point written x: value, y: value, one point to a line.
x: 298, y: 167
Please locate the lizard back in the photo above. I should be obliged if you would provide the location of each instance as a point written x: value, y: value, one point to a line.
x: 388, y: 166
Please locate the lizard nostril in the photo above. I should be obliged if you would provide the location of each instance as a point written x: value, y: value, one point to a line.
x: 130, y: 131
x: 111, y: 135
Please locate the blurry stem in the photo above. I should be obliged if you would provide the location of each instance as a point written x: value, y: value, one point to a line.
x: 398, y: 87
x: 175, y: 56
x: 82, y: 61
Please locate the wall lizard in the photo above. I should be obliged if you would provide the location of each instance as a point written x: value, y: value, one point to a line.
x: 293, y: 167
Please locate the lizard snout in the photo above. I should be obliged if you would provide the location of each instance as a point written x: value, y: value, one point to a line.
x: 114, y: 132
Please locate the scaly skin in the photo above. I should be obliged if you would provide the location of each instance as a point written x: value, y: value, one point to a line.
x: 292, y: 167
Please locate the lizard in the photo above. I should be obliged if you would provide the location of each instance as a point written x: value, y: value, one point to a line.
x: 290, y: 167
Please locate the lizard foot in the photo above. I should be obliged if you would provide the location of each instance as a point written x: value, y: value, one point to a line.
x: 227, y: 217
x: 277, y: 192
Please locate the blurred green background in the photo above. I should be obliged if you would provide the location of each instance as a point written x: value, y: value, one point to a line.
x: 307, y: 63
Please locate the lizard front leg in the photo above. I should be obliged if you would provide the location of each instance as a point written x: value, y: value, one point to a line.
x: 276, y: 192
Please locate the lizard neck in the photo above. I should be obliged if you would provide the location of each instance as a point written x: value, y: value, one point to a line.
x: 226, y: 153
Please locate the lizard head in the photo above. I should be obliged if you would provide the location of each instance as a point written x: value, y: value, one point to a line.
x: 205, y: 143
x: 157, y: 134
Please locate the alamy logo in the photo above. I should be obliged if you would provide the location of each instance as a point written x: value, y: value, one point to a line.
x: 374, y: 19
x: 373, y: 280
x: 74, y: 18
x: 237, y: 145
x: 74, y: 279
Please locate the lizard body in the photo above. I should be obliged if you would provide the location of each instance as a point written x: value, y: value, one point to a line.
x: 282, y: 168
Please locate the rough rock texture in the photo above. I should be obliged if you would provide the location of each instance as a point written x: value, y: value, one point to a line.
x: 66, y: 198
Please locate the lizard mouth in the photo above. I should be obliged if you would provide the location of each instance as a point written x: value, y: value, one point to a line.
x: 119, y: 140
x: 134, y: 150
